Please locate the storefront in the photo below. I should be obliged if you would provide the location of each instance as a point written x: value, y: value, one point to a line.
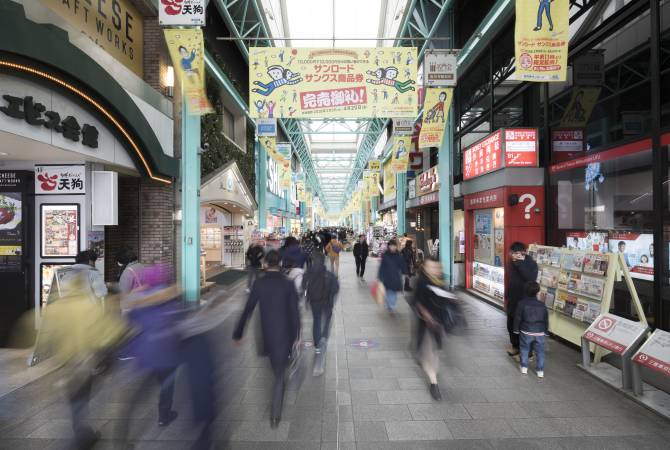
x: 226, y: 217
x: 69, y: 132
x: 423, y: 211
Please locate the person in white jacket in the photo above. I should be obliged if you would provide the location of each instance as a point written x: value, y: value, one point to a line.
x: 85, y: 266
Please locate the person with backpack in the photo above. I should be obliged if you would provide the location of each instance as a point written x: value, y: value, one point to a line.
x: 333, y: 250
x: 130, y: 274
x: 320, y: 287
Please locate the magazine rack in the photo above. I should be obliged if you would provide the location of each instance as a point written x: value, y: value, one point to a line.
x: 577, y: 286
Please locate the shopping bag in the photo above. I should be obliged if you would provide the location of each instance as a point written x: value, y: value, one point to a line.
x: 378, y: 291
x: 297, y: 366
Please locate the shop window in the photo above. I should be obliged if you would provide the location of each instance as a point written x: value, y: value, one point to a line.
x: 228, y: 124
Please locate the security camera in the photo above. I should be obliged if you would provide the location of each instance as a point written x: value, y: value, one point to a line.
x: 203, y: 148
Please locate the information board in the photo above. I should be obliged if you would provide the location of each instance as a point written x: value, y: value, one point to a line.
x: 614, y: 333
x: 655, y: 353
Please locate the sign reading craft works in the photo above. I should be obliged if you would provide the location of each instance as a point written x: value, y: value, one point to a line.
x: 114, y: 25
x: 614, y: 333
x: 509, y: 147
x: 297, y: 83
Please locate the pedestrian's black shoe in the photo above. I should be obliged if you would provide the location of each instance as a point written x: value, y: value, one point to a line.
x: 87, y: 439
x: 537, y: 29
x: 435, y: 392
x: 274, y: 422
x: 167, y: 419
x: 551, y: 28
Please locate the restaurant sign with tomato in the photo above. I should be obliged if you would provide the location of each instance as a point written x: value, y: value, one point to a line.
x: 51, y: 179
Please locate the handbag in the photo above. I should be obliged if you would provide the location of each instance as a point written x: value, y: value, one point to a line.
x: 378, y: 291
x: 296, y: 367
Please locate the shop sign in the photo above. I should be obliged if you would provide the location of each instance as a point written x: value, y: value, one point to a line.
x: 266, y: 127
x: 403, y: 127
x: 486, y: 199
x: 272, y: 173
x: 411, y: 188
x: 433, y: 197
x: 374, y: 164
x: 60, y: 179
x: 655, y: 353
x: 483, y: 157
x: 284, y: 149
x: 567, y: 140
x: 614, y: 333
x: 439, y: 68
x: 607, y: 155
x: 428, y: 181
x: 588, y: 69
x: 36, y: 114
x: 520, y: 147
x: 114, y: 25
x: 328, y: 82
x: 181, y: 12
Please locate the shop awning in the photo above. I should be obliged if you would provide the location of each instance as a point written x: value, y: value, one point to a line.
x: 226, y: 189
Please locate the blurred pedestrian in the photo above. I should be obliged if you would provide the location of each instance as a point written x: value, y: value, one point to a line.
x: 531, y: 324
x: 320, y: 288
x: 280, y: 324
x: 391, y: 270
x: 84, y: 266
x: 292, y: 253
x: 409, y: 256
x: 333, y: 250
x: 255, y: 255
x: 522, y: 269
x: 360, y: 255
x: 130, y: 273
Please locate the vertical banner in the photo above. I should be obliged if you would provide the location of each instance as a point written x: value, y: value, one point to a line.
x: 367, y: 174
x: 389, y: 181
x: 374, y: 183
x: 541, y: 36
x: 579, y: 110
x: 270, y: 145
x: 285, y: 174
x: 300, y: 190
x: 435, y: 113
x: 401, y: 147
x: 187, y: 53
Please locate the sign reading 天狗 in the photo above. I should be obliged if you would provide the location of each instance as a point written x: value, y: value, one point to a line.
x: 332, y: 82
x: 541, y: 36
x: 114, y: 25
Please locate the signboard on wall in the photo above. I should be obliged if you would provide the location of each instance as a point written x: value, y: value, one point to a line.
x: 520, y: 146
x: 52, y: 179
x: 428, y: 181
x: 439, y: 68
x: 266, y: 127
x: 506, y: 147
x: 181, y: 12
x: 411, y: 188
x: 567, y: 140
x: 483, y: 157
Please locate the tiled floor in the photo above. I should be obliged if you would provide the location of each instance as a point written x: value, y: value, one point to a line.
x: 370, y: 397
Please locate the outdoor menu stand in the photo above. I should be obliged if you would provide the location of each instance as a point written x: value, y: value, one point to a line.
x: 654, y: 354
x: 617, y: 335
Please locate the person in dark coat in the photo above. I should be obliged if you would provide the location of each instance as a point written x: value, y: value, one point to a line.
x: 522, y: 269
x: 280, y: 323
x: 391, y: 270
x: 531, y: 324
x: 292, y: 254
x: 360, y: 255
x: 321, y: 287
x: 255, y: 255
x: 409, y: 255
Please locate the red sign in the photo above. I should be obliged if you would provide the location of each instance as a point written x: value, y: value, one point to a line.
x: 333, y: 97
x: 567, y: 140
x: 416, y: 160
x: 486, y: 199
x: 483, y: 157
x: 521, y: 147
x: 607, y: 155
x: 529, y: 211
x: 655, y: 353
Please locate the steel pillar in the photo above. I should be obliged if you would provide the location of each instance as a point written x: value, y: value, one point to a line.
x: 445, y: 174
x: 401, y: 196
x: 261, y: 190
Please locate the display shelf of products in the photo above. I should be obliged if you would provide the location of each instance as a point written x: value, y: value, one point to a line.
x: 489, y: 280
x: 572, y: 283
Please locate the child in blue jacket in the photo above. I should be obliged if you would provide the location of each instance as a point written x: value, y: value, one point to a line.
x: 531, y: 323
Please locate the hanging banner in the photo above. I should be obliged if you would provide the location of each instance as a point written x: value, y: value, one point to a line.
x: 332, y: 82
x: 401, y: 146
x: 300, y: 190
x: 374, y: 183
x: 581, y: 105
x: 374, y: 164
x: 435, y: 113
x: 285, y: 174
x: 187, y: 52
x: 440, y: 68
x: 367, y: 183
x: 541, y: 36
x: 389, y: 181
x: 284, y: 149
x: 403, y: 127
x: 270, y: 145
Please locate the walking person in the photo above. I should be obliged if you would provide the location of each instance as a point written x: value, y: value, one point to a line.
x: 333, y: 250
x: 320, y: 288
x: 255, y: 255
x: 360, y: 255
x: 280, y: 324
x: 531, y: 324
x: 409, y: 255
x: 391, y: 270
x: 131, y: 268
x: 522, y: 269
x: 84, y: 266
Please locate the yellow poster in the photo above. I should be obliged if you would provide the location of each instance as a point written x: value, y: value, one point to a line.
x: 389, y: 181
x: 285, y: 174
x: 332, y: 82
x: 374, y: 183
x: 187, y: 53
x: 579, y: 110
x: 374, y: 164
x: 367, y: 183
x: 270, y: 145
x: 541, y: 36
x: 436, y: 107
x: 300, y: 191
x: 116, y: 26
x: 401, y: 147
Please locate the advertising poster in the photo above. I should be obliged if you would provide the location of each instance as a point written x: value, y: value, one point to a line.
x: 96, y: 242
x: 285, y: 174
x: 578, y: 111
x: 374, y: 183
x: 60, y: 231
x: 367, y: 184
x: 269, y: 143
x: 638, y: 253
x: 435, y: 113
x: 187, y: 53
x: 541, y: 35
x: 389, y: 181
x: 401, y: 147
x: 10, y: 223
x: 189, y: 13
x: 332, y: 82
x: 483, y: 238
x: 587, y: 240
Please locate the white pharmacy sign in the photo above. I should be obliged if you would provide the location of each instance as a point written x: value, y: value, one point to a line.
x: 439, y: 68
x: 614, y: 333
x: 655, y: 353
x: 190, y: 13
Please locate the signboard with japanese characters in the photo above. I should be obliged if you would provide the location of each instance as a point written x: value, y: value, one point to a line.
x: 50, y: 180
x: 614, y: 333
x: 567, y: 140
x: 266, y: 126
x: 374, y: 164
x: 655, y: 353
x: 403, y: 127
x: 332, y: 82
x: 411, y: 188
x: 520, y: 145
x: 428, y: 182
x: 483, y: 157
x: 188, y: 13
x: 506, y: 147
x: 439, y: 68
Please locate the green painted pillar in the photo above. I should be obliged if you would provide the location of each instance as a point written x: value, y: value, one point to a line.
x: 303, y: 216
x: 373, y: 209
x: 445, y: 174
x: 401, y: 196
x: 190, y: 203
x: 261, y: 185
x: 361, y: 223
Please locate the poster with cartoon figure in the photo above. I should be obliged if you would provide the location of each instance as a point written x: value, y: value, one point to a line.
x: 541, y: 37
x: 270, y: 145
x: 332, y: 82
x: 401, y: 147
x: 435, y: 113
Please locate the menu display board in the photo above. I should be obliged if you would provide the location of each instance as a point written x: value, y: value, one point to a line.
x: 59, y: 230
x: 10, y: 231
x: 50, y: 277
x: 614, y: 333
x: 655, y: 353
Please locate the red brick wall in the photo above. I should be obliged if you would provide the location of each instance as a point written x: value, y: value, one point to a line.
x: 127, y: 232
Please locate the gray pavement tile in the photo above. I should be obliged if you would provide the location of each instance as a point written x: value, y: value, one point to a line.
x: 381, y: 413
x: 617, y: 426
x: 438, y: 411
x: 396, y: 372
x: 426, y: 430
x: 545, y: 427
x: 517, y: 395
x: 24, y: 444
x: 566, y: 409
x: 497, y: 410
x: 258, y: 431
x: 60, y: 429
x: 22, y: 427
x: 462, y: 395
x: 360, y: 372
x: 425, y: 445
x: 404, y: 397
x: 145, y: 429
x: 374, y: 384
x: 367, y: 431
x: 528, y: 444
x: 305, y: 430
x: 413, y: 383
x: 480, y: 429
x: 469, y: 382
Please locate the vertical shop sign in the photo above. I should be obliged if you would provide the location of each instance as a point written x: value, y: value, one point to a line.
x: 568, y: 140
x: 435, y: 114
x: 400, y: 157
x: 521, y: 145
x: 541, y: 36
x: 588, y: 69
x: 428, y: 181
x: 483, y: 157
x: 374, y: 164
x: 60, y: 179
x: 411, y: 188
x: 403, y: 127
x: 189, y: 13
x: 187, y: 50
x: 440, y: 68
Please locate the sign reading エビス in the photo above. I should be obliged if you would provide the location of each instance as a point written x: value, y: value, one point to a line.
x: 509, y: 147
x: 181, y: 12
x: 332, y: 82
x: 60, y: 179
x: 614, y: 333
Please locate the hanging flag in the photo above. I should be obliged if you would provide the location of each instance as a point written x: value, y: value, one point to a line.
x: 579, y: 110
x: 541, y: 35
x: 367, y: 182
x: 270, y: 145
x: 187, y: 53
x: 436, y: 108
x: 300, y: 190
x: 389, y: 181
x: 285, y: 174
x: 400, y: 157
x: 374, y: 164
x: 374, y: 183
